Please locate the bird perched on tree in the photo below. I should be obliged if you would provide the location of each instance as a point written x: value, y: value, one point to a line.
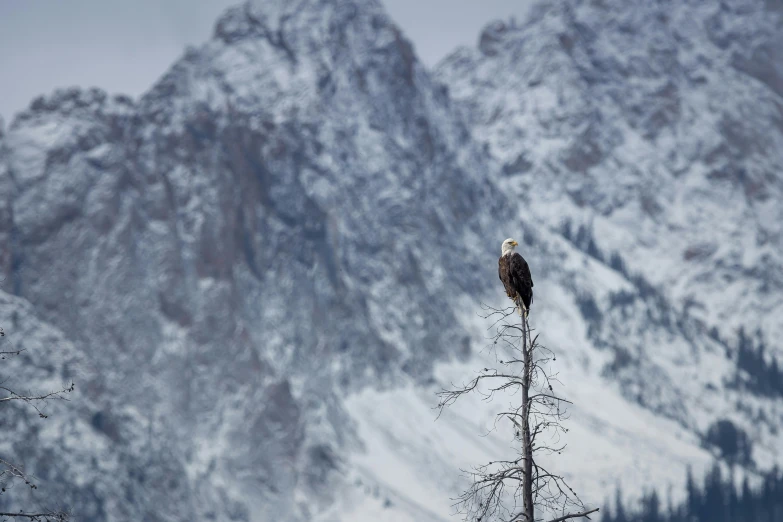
x: 515, y: 275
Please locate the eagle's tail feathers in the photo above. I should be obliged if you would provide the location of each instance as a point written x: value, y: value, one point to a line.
x: 521, y: 308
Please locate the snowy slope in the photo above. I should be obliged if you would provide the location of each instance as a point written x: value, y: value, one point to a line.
x: 269, y: 263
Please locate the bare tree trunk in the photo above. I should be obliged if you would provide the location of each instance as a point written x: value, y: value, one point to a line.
x: 527, y: 449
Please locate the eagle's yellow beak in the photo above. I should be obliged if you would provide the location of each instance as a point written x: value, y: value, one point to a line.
x: 514, y: 243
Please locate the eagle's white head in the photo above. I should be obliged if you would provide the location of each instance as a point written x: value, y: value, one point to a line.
x: 508, y: 247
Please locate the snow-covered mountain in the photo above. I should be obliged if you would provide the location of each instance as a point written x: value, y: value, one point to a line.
x: 262, y: 270
x: 660, y: 126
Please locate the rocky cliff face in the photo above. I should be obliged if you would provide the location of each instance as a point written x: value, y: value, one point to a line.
x: 271, y: 226
x: 658, y: 125
x: 264, y: 267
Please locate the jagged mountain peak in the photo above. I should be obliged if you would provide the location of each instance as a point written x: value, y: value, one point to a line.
x: 327, y: 59
x: 641, y: 39
x: 284, y: 21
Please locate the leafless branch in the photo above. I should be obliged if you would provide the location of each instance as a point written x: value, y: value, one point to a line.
x: 35, y: 400
x: 13, y: 396
x: 574, y: 515
x: 45, y: 517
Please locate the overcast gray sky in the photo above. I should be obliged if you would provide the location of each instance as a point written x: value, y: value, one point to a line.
x: 124, y: 46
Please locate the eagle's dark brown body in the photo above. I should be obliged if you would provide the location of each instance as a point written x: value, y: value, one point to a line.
x: 515, y: 275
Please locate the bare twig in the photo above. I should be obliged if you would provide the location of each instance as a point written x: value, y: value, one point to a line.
x: 49, y: 516
x: 13, y: 396
x: 574, y: 515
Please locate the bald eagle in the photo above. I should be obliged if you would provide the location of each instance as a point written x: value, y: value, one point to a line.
x: 515, y: 275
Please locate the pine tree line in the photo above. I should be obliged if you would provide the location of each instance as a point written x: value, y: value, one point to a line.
x: 763, y: 377
x: 717, y: 500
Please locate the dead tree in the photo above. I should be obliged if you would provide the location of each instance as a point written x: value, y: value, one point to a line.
x: 13, y: 475
x: 512, y: 490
